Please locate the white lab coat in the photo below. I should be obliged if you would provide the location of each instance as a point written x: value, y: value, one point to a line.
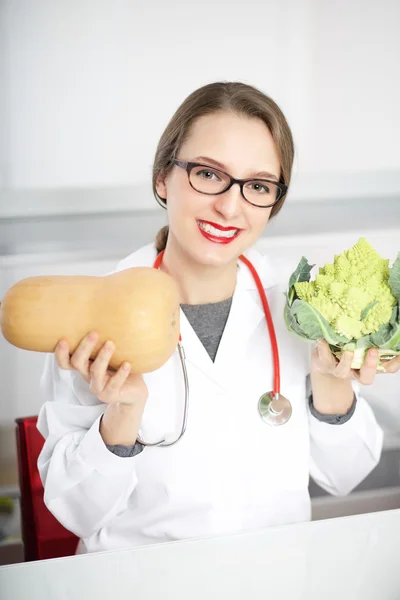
x: 231, y: 472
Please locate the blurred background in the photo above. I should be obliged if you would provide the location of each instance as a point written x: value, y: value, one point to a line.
x: 86, y: 89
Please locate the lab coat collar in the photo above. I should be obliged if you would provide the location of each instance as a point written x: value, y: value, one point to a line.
x: 245, y: 315
x: 268, y: 272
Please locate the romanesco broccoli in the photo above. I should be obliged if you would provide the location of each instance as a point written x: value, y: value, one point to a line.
x: 353, y: 293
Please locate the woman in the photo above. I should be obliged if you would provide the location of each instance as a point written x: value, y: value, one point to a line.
x: 230, y: 472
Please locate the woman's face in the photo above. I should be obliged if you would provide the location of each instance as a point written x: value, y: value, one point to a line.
x: 242, y: 147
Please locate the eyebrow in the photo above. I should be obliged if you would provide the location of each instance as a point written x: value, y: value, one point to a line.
x: 255, y: 175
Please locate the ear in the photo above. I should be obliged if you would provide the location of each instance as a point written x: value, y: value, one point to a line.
x: 161, y: 186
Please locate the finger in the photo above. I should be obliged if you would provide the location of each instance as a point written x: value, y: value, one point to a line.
x: 343, y: 368
x: 368, y: 368
x: 98, y: 370
x: 326, y: 358
x: 81, y: 356
x: 393, y: 365
x: 61, y: 354
x: 112, y: 390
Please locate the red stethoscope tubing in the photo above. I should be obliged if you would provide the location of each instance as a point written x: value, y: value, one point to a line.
x: 268, y: 317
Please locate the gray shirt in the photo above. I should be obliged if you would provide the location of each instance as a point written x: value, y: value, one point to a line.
x: 208, y: 321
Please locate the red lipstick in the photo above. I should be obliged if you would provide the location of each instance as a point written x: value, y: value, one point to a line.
x: 217, y: 239
x: 220, y: 227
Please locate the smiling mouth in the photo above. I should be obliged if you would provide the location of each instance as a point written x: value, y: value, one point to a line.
x: 216, y: 232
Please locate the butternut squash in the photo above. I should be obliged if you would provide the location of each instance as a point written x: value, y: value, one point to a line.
x: 138, y: 309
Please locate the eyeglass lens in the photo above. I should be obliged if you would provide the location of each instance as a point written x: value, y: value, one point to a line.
x: 211, y: 181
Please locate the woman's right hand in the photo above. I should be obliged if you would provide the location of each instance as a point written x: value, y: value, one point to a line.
x: 109, y: 386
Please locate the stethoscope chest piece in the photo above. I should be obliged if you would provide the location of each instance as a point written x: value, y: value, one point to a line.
x: 274, y: 409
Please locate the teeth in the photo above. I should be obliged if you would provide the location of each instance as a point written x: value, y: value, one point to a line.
x: 217, y: 232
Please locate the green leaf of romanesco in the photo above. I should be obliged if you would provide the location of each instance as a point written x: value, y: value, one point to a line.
x: 314, y: 325
x: 300, y: 274
x: 367, y: 309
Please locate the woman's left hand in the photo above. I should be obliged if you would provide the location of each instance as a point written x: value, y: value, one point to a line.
x: 325, y: 363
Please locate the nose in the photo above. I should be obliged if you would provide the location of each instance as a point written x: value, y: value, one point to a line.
x: 230, y: 203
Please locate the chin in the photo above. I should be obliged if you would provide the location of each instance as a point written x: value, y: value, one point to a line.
x: 208, y: 253
x: 216, y: 257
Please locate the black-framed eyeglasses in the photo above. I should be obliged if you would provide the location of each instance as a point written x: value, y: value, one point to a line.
x: 211, y: 181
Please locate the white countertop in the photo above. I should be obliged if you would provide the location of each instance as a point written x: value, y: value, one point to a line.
x: 352, y: 558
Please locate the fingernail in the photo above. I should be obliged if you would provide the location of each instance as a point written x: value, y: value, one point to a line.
x: 109, y: 346
x: 92, y: 336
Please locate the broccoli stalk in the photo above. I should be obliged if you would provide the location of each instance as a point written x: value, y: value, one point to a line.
x: 359, y: 357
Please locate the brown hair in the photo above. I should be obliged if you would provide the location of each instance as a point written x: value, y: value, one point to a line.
x: 237, y: 97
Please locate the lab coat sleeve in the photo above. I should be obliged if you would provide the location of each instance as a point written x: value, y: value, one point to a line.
x: 343, y: 455
x: 85, y: 485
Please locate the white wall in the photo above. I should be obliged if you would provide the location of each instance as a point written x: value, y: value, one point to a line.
x: 92, y: 85
x: 95, y: 82
x: 4, y: 96
x: 356, y: 86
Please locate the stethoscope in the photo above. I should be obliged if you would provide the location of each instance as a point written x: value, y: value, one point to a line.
x: 273, y: 408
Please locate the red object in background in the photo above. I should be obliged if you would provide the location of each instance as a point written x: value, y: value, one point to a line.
x: 43, y: 536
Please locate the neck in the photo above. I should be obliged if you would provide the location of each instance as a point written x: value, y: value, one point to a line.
x: 198, y: 284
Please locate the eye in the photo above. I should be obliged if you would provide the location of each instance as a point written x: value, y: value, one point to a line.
x: 259, y: 187
x: 208, y: 174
